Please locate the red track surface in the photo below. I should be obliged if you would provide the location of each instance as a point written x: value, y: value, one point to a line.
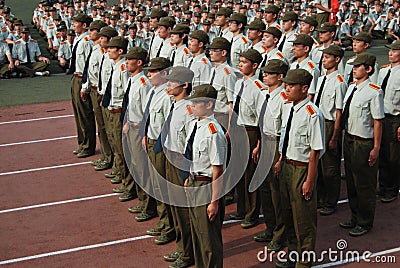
x: 48, y: 229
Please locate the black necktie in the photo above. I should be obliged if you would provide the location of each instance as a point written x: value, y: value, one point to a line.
x: 73, y: 58
x: 184, y: 172
x: 28, y: 54
x: 235, y: 113
x: 282, y: 43
x: 151, y: 42
x: 159, y: 50
x: 107, y: 94
x: 144, y: 125
x: 320, y: 62
x: 262, y: 112
x: 385, y: 80
x: 212, y: 77
x: 346, y: 110
x: 190, y: 63
x: 86, y: 69
x: 321, y: 88
x: 297, y: 65
x: 260, y: 75
x: 125, y: 101
x: 100, y: 86
x: 350, y: 77
x: 286, y: 139
x: 173, y: 58
x: 158, y: 146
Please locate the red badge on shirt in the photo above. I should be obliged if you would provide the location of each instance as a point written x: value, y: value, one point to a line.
x: 212, y: 127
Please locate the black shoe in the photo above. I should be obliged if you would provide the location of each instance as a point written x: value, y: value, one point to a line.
x: 229, y: 200
x: 326, y: 211
x: 347, y: 224
x: 235, y: 216
x: 358, y: 231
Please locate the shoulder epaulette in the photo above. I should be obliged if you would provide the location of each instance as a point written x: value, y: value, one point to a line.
x: 340, y: 78
x: 295, y: 35
x: 87, y: 38
x: 140, y: 31
x: 103, y: 50
x: 142, y: 80
x: 310, y: 109
x: 227, y: 71
x: 212, y: 127
x: 171, y: 44
x: 33, y: 41
x: 244, y: 39
x: 311, y: 64
x: 63, y: 43
x: 258, y: 84
x: 212, y: 32
x: 384, y: 66
x: 315, y: 42
x: 204, y: 60
x: 122, y: 67
x: 139, y: 36
x: 4, y: 29
x: 280, y: 54
x: 3, y: 41
x: 352, y: 82
x: 353, y: 57
x: 186, y: 51
x: 189, y: 109
x: 278, y: 26
x: 17, y: 42
x: 264, y: 48
x: 374, y: 86
x: 283, y: 95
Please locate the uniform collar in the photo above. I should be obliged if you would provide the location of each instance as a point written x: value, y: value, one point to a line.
x: 137, y: 76
x: 160, y: 89
x: 276, y: 92
x: 301, y: 104
x: 205, y: 121
x: 363, y: 84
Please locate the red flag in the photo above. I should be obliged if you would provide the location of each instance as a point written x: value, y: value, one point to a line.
x: 335, y: 9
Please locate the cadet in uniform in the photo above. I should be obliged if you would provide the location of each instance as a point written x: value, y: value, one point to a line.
x: 240, y: 43
x: 165, y: 25
x: 5, y: 53
x: 270, y: 122
x: 389, y: 161
x: 180, y: 55
x: 289, y: 26
x: 247, y: 98
x: 255, y: 35
x: 155, y: 42
x: 303, y: 143
x: 329, y: 96
x: 362, y: 120
x: 199, y: 63
x: 222, y: 20
x: 206, y: 145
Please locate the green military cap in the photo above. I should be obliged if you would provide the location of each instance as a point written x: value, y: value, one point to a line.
x: 146, y: 19
x: 257, y: 24
x: 185, y: 21
x: 107, y: 15
x: 334, y: 50
x: 214, y: 6
x: 260, y: 10
x: 276, y: 67
x: 310, y: 6
x: 139, y: 18
x: 71, y: 32
x: 158, y: 63
x: 132, y: 13
x: 354, y: 17
x: 18, y: 22
x: 363, y: 36
x: 114, y: 17
x: 57, y: 17
x: 310, y: 20
x: 211, y: 15
x: 108, y: 31
x: 197, y: 14
x: 364, y: 58
x: 133, y: 26
x: 180, y: 29
x: 303, y: 39
x: 94, y: 7
x: 298, y: 76
x: 137, y: 53
x: 394, y: 46
x: 224, y: 11
x: 180, y: 74
x: 166, y: 22
x: 188, y: 12
x: 206, y: 22
x: 290, y: 16
x: 123, y: 26
x: 252, y: 55
x: 200, y: 35
x: 142, y: 8
x: 203, y: 92
x: 220, y: 43
x: 327, y: 27
x: 119, y: 42
x: 117, y: 8
x: 238, y: 17
x: 272, y: 9
x: 158, y: 13
x: 274, y: 31
x: 81, y: 18
x: 25, y: 29
x: 97, y: 25
x: 61, y: 27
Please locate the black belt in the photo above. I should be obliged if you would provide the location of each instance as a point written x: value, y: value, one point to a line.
x: 392, y: 116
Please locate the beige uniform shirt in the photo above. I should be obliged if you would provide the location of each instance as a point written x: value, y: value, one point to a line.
x: 182, y: 56
x: 307, y: 131
x: 259, y: 47
x: 140, y: 87
x: 224, y: 82
x: 287, y: 46
x: 311, y: 67
x: 273, y: 113
x: 119, y: 84
x: 84, y: 45
x: 64, y: 50
x: 228, y: 35
x: 392, y: 92
x: 201, y: 67
x: 167, y: 48
x: 239, y: 44
x: 93, y: 68
x: 332, y: 94
x: 19, y: 50
x: 366, y: 105
x: 154, y: 45
x: 105, y: 72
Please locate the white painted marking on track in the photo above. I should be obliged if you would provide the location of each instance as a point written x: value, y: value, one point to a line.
x: 43, y: 168
x: 57, y: 203
x: 36, y: 141
x: 36, y: 119
x: 48, y: 254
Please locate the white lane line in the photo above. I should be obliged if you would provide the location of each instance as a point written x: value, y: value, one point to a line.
x: 36, y: 141
x: 36, y: 119
x: 48, y: 254
x: 57, y: 203
x: 43, y: 168
x: 370, y: 258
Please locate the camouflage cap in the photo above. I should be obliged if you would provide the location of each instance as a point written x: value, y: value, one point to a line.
x: 205, y: 92
x: 220, y: 43
x: 298, y: 76
x: 394, y: 46
x: 290, y: 16
x: 256, y: 24
x: 200, y: 35
x: 166, y: 22
x: 364, y: 58
x: 363, y: 36
x: 276, y: 67
x: 274, y: 31
x: 303, y: 39
x: 180, y: 29
x: 252, y: 55
x: 225, y: 11
x: 118, y: 42
x: 158, y: 63
x: 334, y: 50
x: 108, y: 31
x: 180, y: 74
x: 158, y: 13
x: 327, y: 27
x: 310, y: 20
x: 272, y: 9
x: 97, y: 25
x: 137, y: 53
x: 239, y: 17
